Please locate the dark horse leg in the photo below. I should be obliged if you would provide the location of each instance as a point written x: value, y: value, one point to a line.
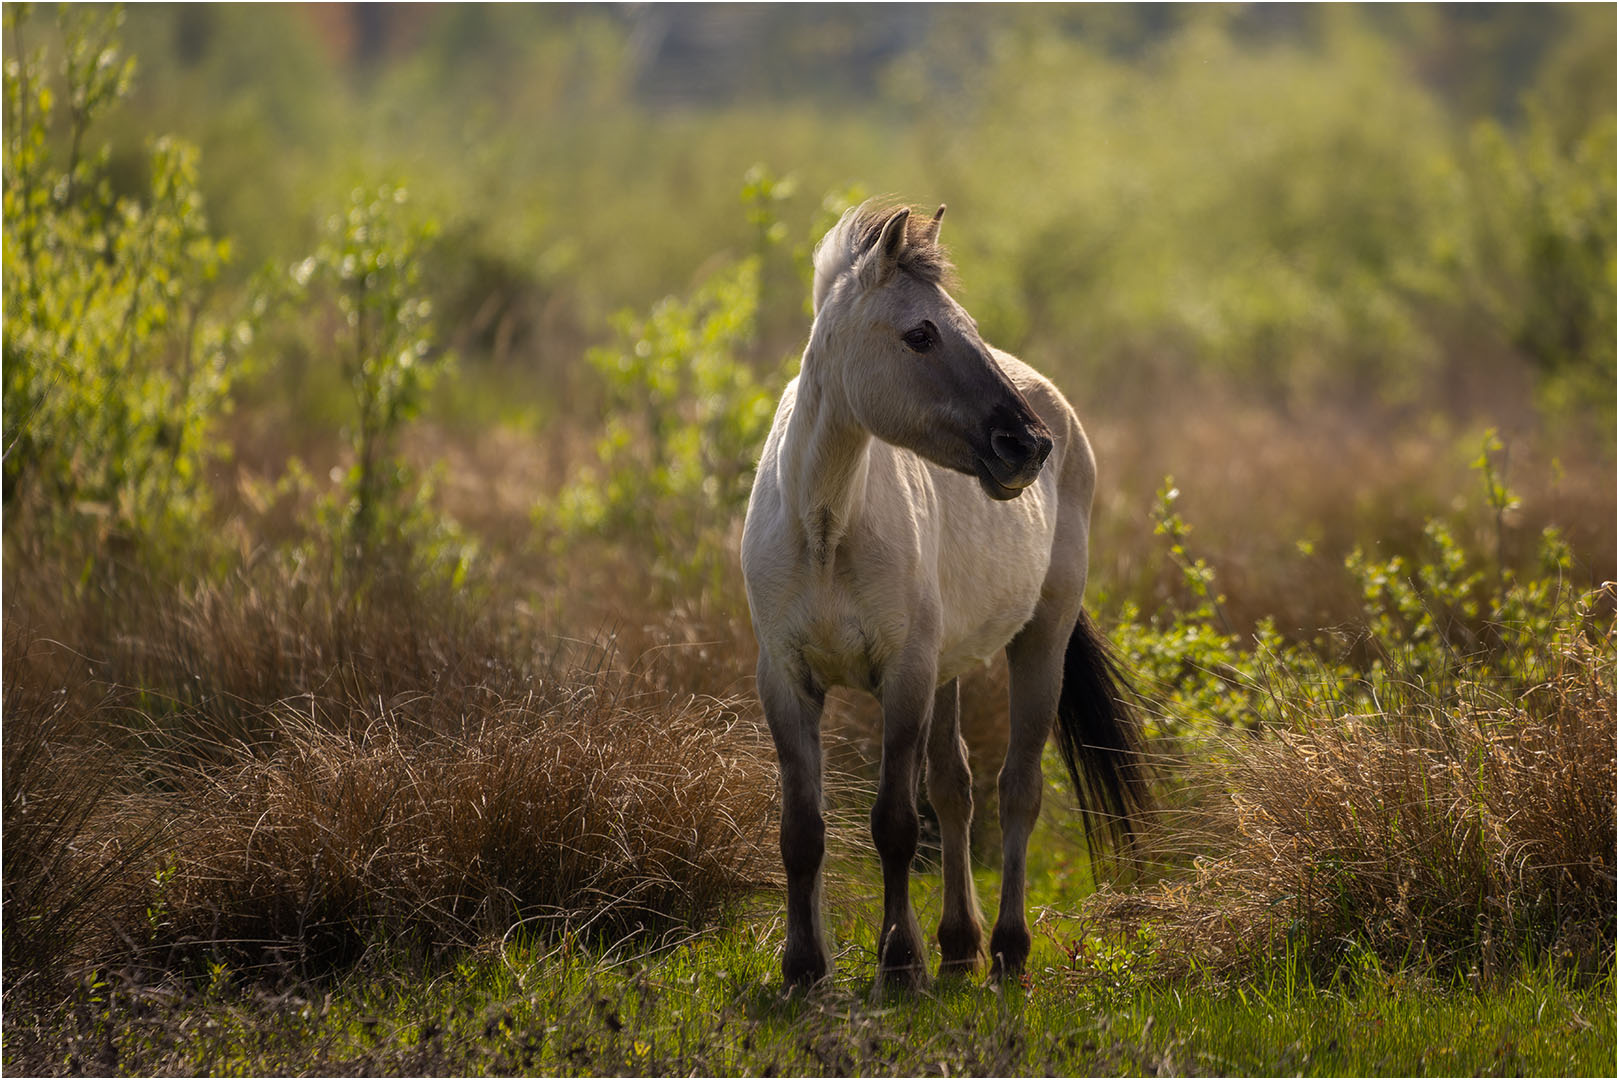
x: 1035, y: 661
x: 950, y: 788
x: 794, y: 716
x: 907, y: 696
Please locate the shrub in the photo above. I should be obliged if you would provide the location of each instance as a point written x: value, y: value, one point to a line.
x: 1447, y: 800
x: 115, y: 371
x: 1473, y: 831
x: 368, y: 266
x: 686, y: 419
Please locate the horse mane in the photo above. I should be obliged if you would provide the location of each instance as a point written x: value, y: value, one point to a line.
x: 855, y: 233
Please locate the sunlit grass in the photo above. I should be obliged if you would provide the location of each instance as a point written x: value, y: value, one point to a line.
x: 712, y: 1004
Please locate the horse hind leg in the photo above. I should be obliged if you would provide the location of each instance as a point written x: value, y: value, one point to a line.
x: 950, y: 789
x: 1035, y: 659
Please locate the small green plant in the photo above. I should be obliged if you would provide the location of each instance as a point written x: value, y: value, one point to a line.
x: 157, y: 911
x: 1196, y: 574
x: 686, y: 416
x: 762, y: 190
x: 1492, y: 463
x: 368, y: 266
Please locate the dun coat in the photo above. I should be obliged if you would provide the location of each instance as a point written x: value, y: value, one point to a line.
x: 923, y: 501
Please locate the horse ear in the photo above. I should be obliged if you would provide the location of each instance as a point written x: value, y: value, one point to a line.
x: 883, y: 259
x: 932, y: 235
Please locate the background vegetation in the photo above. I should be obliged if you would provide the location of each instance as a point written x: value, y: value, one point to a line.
x: 382, y: 388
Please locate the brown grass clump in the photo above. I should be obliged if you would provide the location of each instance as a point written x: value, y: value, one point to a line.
x: 601, y: 814
x: 1466, y: 835
x: 266, y: 773
x: 63, y: 872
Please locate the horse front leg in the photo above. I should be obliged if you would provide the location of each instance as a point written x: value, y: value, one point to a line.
x: 950, y: 789
x: 907, y: 705
x: 794, y: 716
x: 1034, y: 660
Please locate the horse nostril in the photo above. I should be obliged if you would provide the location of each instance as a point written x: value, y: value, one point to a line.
x: 1042, y: 449
x: 1013, y: 447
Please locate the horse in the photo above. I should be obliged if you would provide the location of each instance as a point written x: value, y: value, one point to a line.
x: 923, y: 501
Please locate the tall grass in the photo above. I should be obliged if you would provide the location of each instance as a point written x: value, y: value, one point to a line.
x: 62, y: 869
x: 269, y: 774
x: 1458, y: 819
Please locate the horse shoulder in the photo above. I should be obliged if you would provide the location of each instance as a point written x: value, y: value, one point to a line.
x: 895, y: 537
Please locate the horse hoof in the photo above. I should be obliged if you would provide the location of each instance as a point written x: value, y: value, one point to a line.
x: 804, y: 972
x: 956, y: 970
x: 1009, y: 951
x: 911, y: 979
x: 961, y: 949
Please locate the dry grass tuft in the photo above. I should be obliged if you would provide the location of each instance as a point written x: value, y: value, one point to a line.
x: 261, y: 773
x: 1471, y: 835
x: 64, y: 873
x: 592, y: 812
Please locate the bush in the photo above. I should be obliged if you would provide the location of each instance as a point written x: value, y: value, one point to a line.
x: 1471, y: 830
x: 115, y: 371
x: 368, y: 266
x: 686, y: 418
x: 1435, y: 786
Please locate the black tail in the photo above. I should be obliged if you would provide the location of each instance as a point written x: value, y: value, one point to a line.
x: 1100, y: 737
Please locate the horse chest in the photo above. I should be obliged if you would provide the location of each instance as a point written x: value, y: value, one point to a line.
x: 841, y: 634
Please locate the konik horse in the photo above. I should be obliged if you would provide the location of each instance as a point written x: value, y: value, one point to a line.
x: 923, y: 500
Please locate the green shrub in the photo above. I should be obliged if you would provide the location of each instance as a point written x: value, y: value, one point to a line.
x: 1431, y: 784
x: 368, y: 267
x: 115, y: 369
x: 1430, y: 617
x: 686, y: 417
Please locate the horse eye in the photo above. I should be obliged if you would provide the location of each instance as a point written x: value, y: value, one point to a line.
x: 918, y: 340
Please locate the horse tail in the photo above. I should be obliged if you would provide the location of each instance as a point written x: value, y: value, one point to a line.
x: 1100, y: 736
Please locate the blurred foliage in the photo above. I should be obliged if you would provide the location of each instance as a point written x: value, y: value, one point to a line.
x: 368, y: 266
x: 1305, y: 203
x: 1141, y: 193
x: 1435, y: 623
x: 1250, y: 209
x: 115, y: 367
x: 1544, y: 259
x: 685, y: 420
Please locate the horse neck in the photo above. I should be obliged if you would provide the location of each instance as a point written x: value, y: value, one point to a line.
x: 824, y: 455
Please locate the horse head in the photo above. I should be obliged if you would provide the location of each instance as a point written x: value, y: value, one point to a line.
x: 909, y: 361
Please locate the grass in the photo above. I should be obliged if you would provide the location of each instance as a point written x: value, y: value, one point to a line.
x: 256, y: 826
x: 280, y: 783
x: 1464, y: 819
x: 708, y: 1003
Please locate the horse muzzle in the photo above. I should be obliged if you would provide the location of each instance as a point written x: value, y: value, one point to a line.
x: 1017, y: 452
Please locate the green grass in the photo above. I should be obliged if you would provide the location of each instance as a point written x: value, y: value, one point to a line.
x: 712, y: 1003
x: 713, y: 1006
